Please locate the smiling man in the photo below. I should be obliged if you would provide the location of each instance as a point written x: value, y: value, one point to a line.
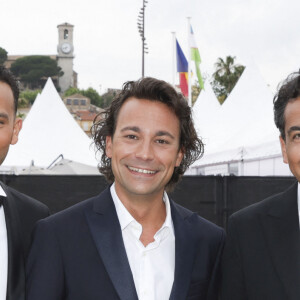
x: 261, y: 258
x: 18, y: 212
x: 132, y: 242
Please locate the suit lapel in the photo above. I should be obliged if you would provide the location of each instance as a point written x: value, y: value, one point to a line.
x: 281, y: 228
x: 16, y: 270
x: 184, y: 252
x: 105, y: 228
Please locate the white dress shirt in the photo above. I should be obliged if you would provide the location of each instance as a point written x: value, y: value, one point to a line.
x: 3, y: 251
x: 152, y: 266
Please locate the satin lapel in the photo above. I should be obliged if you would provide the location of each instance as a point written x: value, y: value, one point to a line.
x: 184, y: 253
x: 281, y: 228
x: 105, y: 228
x: 16, y: 269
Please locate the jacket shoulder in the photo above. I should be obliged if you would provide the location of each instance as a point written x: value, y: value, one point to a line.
x: 199, y: 223
x: 274, y: 202
x: 25, y: 202
x: 75, y: 212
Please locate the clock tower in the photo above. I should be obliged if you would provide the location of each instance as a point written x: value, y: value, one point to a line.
x: 65, y: 55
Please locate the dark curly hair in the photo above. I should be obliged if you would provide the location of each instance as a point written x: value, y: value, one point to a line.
x: 8, y: 77
x: 154, y: 90
x: 288, y: 91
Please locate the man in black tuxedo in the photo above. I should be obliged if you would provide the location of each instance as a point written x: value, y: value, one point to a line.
x: 132, y: 242
x: 18, y: 212
x: 261, y: 259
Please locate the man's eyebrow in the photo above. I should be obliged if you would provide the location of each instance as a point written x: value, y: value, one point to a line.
x: 132, y: 128
x: 294, y: 128
x: 165, y: 133
x: 4, y: 115
x: 158, y: 133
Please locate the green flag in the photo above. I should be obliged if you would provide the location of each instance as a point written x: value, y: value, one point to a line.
x: 195, y: 56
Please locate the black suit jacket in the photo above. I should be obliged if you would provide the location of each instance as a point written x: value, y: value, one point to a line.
x: 262, y: 253
x: 79, y: 254
x: 21, y: 214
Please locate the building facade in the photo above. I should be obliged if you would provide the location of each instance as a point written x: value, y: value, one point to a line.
x: 82, y: 110
x: 64, y: 58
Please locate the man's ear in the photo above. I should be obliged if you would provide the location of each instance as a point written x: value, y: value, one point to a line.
x: 108, y: 147
x: 179, y: 157
x: 283, y: 150
x: 17, y: 127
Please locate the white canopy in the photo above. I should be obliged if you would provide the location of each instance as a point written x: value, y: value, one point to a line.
x: 205, y: 108
x: 49, y: 130
x: 243, y: 129
x: 69, y: 167
x: 246, y: 117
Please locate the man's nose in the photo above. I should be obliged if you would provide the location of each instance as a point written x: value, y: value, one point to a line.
x: 145, y: 150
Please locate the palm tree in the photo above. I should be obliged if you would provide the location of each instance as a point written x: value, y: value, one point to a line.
x: 226, y: 76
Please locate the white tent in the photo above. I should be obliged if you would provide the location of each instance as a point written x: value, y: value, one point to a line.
x: 260, y: 160
x: 69, y: 167
x: 49, y: 130
x: 246, y: 117
x: 243, y: 132
x: 205, y: 108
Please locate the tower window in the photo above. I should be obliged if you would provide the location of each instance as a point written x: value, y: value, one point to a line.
x: 66, y: 34
x: 69, y: 101
x: 83, y: 102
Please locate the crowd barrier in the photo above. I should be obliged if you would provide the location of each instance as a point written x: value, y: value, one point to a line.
x: 213, y: 197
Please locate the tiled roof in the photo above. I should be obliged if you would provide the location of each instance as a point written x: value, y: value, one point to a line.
x: 86, y: 115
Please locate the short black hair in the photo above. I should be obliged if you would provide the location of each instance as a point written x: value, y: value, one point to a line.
x: 154, y: 90
x: 7, y: 76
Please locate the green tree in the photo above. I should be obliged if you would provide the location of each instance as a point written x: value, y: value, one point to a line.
x: 72, y: 91
x: 196, y: 90
x: 3, y: 56
x: 23, y: 103
x: 27, y: 97
x: 225, y: 77
x: 91, y: 93
x: 34, y: 70
x: 20, y: 115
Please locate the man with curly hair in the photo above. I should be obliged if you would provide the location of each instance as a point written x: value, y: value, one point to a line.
x: 132, y: 242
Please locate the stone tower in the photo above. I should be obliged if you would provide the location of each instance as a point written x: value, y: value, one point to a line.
x: 65, y: 55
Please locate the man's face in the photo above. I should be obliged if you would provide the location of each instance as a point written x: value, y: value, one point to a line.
x: 144, y: 149
x: 9, y: 125
x: 291, y: 146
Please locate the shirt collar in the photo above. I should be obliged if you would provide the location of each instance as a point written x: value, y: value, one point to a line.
x: 168, y: 222
x: 125, y: 218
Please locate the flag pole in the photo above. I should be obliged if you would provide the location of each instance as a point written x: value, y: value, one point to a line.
x: 173, y: 56
x: 189, y: 64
